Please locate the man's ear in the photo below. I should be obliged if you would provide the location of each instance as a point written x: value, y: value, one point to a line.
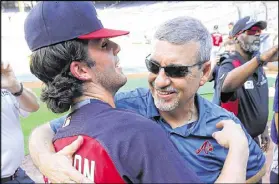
x: 80, y: 70
x: 206, y: 68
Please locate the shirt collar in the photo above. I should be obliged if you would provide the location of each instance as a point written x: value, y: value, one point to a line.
x: 199, y: 128
x: 79, y: 104
x: 153, y: 112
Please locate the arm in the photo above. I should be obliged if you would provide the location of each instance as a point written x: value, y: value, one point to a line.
x: 258, y: 176
x: 234, y: 169
x: 276, y: 121
x: 272, y: 67
x: 27, y: 100
x: 233, y: 138
x: 57, y: 167
x: 275, y: 104
x: 255, y: 167
x: 239, y: 75
x: 40, y: 143
x: 212, y: 74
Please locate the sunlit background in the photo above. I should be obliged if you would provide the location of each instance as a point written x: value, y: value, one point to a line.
x: 140, y: 18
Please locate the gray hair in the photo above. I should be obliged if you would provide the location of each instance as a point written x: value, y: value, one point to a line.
x: 182, y: 30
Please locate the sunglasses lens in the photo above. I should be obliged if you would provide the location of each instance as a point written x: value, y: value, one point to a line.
x: 253, y: 32
x: 152, y: 67
x: 170, y: 71
x: 176, y: 71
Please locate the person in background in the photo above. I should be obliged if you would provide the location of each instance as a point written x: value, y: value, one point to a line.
x: 16, y: 101
x: 242, y: 84
x: 230, y: 27
x: 229, y: 48
x: 274, y: 137
x: 217, y: 39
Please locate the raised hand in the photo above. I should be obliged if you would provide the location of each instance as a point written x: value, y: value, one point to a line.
x: 8, y: 78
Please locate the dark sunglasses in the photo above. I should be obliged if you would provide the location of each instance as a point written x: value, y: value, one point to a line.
x: 253, y: 31
x: 171, y: 70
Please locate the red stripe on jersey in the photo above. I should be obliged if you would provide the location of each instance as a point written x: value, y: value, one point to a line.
x: 92, y: 160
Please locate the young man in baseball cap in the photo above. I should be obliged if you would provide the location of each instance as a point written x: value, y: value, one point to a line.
x: 80, y: 69
x: 242, y: 84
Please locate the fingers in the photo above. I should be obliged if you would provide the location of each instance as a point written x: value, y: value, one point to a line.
x: 216, y: 135
x: 220, y: 124
x: 5, y: 66
x: 72, y: 148
x: 77, y: 177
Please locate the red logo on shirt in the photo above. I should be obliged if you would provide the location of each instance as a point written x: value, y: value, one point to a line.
x: 206, y: 147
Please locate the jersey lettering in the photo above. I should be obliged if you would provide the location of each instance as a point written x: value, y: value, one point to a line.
x: 88, y: 169
x: 92, y: 160
x: 217, y: 38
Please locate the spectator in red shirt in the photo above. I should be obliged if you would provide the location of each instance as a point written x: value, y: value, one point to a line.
x: 217, y: 40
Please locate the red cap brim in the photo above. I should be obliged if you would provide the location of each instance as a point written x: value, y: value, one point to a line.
x: 103, y: 33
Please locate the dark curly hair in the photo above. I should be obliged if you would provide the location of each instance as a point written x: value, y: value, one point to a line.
x: 51, y: 65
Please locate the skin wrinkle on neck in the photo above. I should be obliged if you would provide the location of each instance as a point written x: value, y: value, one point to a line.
x: 173, y: 118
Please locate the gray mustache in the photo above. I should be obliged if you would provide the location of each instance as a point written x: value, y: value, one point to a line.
x: 166, y: 89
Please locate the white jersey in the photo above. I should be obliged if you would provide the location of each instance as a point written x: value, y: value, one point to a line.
x: 12, y: 139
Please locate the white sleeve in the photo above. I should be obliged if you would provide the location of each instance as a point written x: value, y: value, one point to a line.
x: 22, y: 112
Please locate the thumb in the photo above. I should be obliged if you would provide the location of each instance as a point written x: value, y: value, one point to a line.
x: 72, y: 148
x: 215, y: 135
x: 220, y: 124
x: 218, y: 137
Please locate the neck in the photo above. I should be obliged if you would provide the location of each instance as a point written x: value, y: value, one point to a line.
x: 94, y: 91
x: 246, y: 56
x: 182, y: 115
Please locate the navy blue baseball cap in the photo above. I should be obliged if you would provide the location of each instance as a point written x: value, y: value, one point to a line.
x: 245, y: 24
x: 51, y: 22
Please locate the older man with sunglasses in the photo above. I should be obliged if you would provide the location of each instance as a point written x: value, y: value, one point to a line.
x: 178, y: 64
x: 242, y: 84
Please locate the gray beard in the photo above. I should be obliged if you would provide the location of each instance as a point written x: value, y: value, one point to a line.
x: 160, y: 104
x: 250, y: 48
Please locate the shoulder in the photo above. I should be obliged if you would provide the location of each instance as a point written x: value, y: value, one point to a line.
x: 215, y: 110
x: 212, y: 114
x: 134, y: 120
x: 138, y: 100
x: 136, y: 93
x: 229, y: 62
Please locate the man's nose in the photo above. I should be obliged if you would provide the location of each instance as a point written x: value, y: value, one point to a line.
x: 162, y: 80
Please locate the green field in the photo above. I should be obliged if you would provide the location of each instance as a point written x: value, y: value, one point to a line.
x: 44, y: 115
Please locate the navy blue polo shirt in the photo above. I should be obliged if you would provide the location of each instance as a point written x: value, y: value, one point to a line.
x: 253, y: 96
x: 194, y: 141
